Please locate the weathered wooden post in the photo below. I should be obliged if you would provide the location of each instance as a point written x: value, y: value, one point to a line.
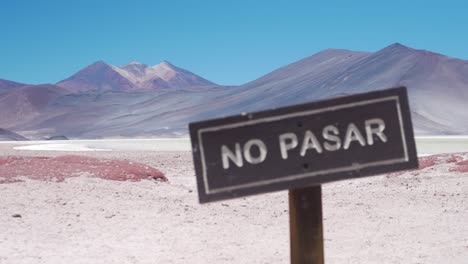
x: 305, y: 225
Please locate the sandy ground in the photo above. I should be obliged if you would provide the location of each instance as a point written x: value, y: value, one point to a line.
x: 401, y: 219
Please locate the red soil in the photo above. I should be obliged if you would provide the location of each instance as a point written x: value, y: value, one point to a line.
x: 463, y: 163
x: 462, y: 166
x: 62, y: 167
x: 458, y: 162
x: 429, y: 161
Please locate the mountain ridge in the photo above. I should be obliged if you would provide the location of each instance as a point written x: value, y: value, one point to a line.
x: 6, y: 85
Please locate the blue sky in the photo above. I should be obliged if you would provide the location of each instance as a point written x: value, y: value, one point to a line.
x: 228, y: 42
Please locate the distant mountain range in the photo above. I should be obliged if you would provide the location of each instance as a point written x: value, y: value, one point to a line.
x: 136, y: 100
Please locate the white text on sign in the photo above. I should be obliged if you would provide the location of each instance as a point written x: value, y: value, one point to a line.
x: 330, y: 141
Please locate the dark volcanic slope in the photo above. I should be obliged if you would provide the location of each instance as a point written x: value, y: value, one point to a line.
x: 6, y: 135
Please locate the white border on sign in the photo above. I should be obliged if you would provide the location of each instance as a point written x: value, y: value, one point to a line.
x: 308, y: 174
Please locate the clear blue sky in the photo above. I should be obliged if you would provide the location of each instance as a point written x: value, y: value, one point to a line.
x: 228, y: 42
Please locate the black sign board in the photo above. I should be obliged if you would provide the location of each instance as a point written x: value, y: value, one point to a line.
x: 303, y: 145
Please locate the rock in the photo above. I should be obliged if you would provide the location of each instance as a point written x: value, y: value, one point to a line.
x: 58, y: 138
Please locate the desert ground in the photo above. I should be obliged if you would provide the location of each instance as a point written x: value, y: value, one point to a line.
x: 412, y: 217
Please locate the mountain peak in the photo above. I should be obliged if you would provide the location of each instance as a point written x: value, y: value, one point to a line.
x: 397, y: 47
x: 165, y: 65
x: 98, y: 65
x: 98, y: 76
x: 133, y: 64
x: 165, y: 70
x: 336, y: 52
x: 136, y: 68
x: 99, y: 62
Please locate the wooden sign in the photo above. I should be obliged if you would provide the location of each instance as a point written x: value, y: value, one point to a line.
x: 303, y: 145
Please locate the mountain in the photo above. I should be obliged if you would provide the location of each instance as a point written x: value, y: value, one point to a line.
x: 6, y: 85
x: 98, y: 76
x: 162, y: 75
x: 23, y: 106
x: 437, y: 84
x: 140, y: 100
x: 6, y: 135
x: 133, y: 76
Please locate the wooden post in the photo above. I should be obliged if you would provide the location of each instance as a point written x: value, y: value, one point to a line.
x: 306, y: 229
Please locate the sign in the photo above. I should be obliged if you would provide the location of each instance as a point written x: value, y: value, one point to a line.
x: 303, y: 145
